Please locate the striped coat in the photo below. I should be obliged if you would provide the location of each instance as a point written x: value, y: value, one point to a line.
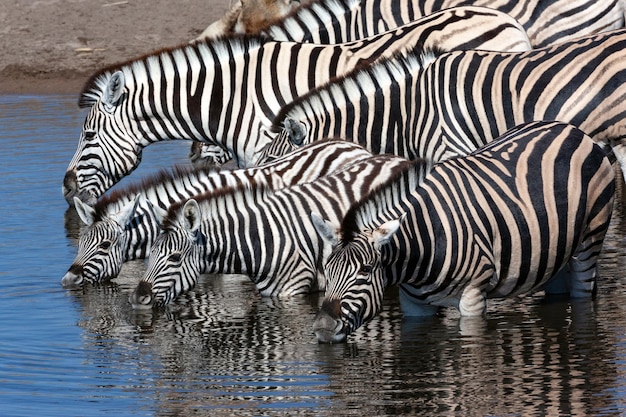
x: 227, y: 91
x: 123, y: 225
x: 500, y: 222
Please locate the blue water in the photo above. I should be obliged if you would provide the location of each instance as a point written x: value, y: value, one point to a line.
x: 223, y: 350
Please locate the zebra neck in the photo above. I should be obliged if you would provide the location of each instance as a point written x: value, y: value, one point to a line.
x: 234, y: 237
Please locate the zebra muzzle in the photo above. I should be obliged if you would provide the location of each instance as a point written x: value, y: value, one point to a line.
x: 142, y: 297
x: 328, y: 327
x: 72, y: 278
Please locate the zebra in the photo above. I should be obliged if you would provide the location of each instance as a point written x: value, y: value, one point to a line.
x: 336, y: 21
x: 497, y: 223
x: 225, y: 91
x: 438, y: 105
x: 123, y: 224
x: 251, y: 230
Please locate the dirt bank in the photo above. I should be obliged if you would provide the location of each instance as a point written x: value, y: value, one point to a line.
x: 52, y: 46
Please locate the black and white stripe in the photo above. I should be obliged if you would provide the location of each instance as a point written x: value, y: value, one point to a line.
x: 500, y: 222
x: 267, y: 235
x: 335, y: 21
x: 437, y: 107
x: 227, y: 91
x: 123, y: 225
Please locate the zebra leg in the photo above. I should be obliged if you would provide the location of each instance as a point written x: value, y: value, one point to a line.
x: 559, y: 284
x: 583, y: 274
x: 412, y: 307
x: 472, y: 302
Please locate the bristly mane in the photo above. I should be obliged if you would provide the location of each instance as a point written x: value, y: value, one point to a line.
x: 95, y: 85
x: 405, y: 64
x: 406, y: 179
x: 254, y: 188
x: 166, y: 175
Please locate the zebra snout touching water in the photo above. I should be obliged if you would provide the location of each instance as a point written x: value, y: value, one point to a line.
x: 528, y: 209
x: 123, y: 225
x: 265, y: 234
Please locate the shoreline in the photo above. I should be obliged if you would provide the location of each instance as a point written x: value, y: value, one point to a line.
x: 42, y: 85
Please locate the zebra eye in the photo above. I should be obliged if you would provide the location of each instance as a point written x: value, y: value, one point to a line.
x: 175, y: 257
x: 365, y: 270
x: 90, y: 134
x: 105, y: 245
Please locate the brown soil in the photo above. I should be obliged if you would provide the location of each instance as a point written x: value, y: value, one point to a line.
x: 52, y: 46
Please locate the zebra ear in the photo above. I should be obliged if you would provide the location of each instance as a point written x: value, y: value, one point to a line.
x: 383, y: 233
x: 127, y: 212
x: 157, y: 212
x: 191, y: 215
x: 85, y: 211
x: 114, y: 90
x: 325, y: 229
x: 296, y: 132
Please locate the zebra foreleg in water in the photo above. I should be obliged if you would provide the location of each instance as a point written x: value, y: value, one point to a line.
x: 122, y: 225
x: 500, y: 222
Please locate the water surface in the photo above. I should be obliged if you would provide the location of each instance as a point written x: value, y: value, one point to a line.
x: 223, y: 350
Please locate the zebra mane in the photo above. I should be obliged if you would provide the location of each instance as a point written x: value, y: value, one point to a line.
x: 384, y: 199
x: 127, y: 193
x: 94, y: 87
x: 254, y: 189
x: 365, y: 78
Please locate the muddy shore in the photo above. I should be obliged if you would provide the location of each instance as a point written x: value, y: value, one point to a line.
x: 53, y: 46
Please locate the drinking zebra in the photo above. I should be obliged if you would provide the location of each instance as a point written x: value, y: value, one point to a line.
x: 252, y: 230
x: 123, y: 225
x: 227, y: 91
x: 438, y: 105
x: 497, y: 223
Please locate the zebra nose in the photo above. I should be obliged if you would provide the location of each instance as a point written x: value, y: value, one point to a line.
x: 70, y: 186
x: 73, y: 278
x: 142, y: 298
x: 328, y: 327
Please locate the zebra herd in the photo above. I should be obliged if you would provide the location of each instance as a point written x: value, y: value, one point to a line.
x: 459, y: 151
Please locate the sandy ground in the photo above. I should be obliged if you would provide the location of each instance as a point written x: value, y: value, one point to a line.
x: 52, y: 46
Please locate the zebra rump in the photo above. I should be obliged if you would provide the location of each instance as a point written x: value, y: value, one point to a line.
x: 528, y: 209
x: 123, y: 224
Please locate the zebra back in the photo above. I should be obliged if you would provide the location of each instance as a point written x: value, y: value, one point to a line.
x: 335, y: 21
x: 265, y: 234
x: 500, y: 222
x: 123, y: 225
x: 441, y: 105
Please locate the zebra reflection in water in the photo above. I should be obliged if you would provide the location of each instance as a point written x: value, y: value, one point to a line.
x: 222, y: 347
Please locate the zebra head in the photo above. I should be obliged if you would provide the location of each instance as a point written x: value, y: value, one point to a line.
x: 174, y: 262
x: 291, y: 137
x: 101, y: 246
x: 105, y: 153
x: 355, y: 279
